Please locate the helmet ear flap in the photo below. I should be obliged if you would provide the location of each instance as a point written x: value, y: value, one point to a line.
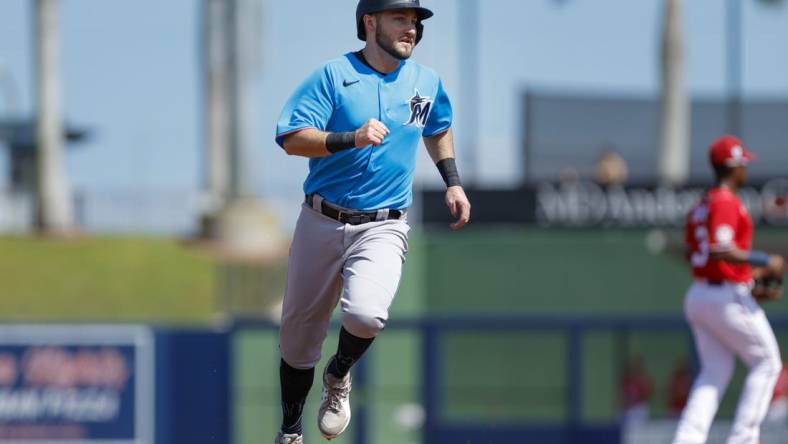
x: 419, y: 31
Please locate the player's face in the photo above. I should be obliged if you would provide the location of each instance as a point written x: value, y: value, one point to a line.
x: 739, y: 175
x: 395, y: 32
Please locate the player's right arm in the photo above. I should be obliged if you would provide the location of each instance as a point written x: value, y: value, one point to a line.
x: 312, y: 142
x: 302, y: 128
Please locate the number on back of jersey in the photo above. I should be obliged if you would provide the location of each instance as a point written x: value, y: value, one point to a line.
x: 699, y: 219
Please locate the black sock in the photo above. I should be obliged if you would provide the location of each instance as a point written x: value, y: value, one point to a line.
x: 349, y: 351
x: 295, y: 386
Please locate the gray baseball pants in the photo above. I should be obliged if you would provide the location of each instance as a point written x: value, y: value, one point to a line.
x: 331, y: 262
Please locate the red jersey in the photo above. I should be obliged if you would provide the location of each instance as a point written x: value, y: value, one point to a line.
x: 781, y: 387
x: 635, y: 389
x: 679, y: 387
x: 717, y: 223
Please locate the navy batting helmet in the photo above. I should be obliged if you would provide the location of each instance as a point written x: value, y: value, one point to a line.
x: 373, y: 6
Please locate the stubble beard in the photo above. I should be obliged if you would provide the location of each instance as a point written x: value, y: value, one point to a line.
x: 390, y: 49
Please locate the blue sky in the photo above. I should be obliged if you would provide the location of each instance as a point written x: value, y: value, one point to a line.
x: 131, y: 73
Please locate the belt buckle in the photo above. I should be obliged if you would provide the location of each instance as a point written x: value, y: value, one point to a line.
x: 357, y: 218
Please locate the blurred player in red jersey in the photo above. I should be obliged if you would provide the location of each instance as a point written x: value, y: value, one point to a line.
x: 726, y: 320
x: 679, y: 386
x: 778, y: 408
x: 636, y: 390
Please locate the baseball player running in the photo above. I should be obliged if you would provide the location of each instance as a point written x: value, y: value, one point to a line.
x: 358, y: 118
x: 726, y: 320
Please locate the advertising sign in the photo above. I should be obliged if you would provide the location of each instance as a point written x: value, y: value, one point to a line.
x: 76, y: 384
x: 585, y: 204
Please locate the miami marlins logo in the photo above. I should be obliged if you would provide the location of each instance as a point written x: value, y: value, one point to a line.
x: 420, y: 107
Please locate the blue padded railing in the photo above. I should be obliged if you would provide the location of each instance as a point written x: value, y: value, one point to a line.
x: 573, y: 430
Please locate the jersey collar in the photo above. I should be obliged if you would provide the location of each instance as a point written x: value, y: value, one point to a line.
x: 363, y: 67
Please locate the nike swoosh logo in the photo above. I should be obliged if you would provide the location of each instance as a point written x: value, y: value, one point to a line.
x: 349, y: 82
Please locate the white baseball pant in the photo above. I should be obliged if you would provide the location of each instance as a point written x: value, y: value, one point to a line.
x: 362, y: 263
x: 726, y: 322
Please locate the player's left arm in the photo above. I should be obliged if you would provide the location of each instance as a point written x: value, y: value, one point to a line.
x: 441, y: 149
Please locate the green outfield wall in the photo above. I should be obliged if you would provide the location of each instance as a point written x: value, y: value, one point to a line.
x: 505, y: 377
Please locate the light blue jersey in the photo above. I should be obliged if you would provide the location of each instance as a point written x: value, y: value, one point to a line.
x: 342, y: 96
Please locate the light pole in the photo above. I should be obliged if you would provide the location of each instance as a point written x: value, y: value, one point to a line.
x: 215, y: 49
x: 55, y: 215
x: 734, y: 67
x: 674, y: 103
x: 469, y: 83
x: 232, y: 34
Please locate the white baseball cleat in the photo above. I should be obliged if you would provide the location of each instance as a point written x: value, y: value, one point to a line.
x: 334, y: 414
x: 290, y: 438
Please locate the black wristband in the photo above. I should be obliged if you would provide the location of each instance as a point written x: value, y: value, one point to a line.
x: 449, y: 173
x: 340, y: 141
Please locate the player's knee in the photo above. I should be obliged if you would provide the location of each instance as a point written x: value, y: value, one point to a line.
x: 768, y: 367
x: 299, y: 357
x: 362, y: 325
x: 772, y: 365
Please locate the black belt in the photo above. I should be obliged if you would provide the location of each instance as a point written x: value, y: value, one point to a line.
x: 352, y: 217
